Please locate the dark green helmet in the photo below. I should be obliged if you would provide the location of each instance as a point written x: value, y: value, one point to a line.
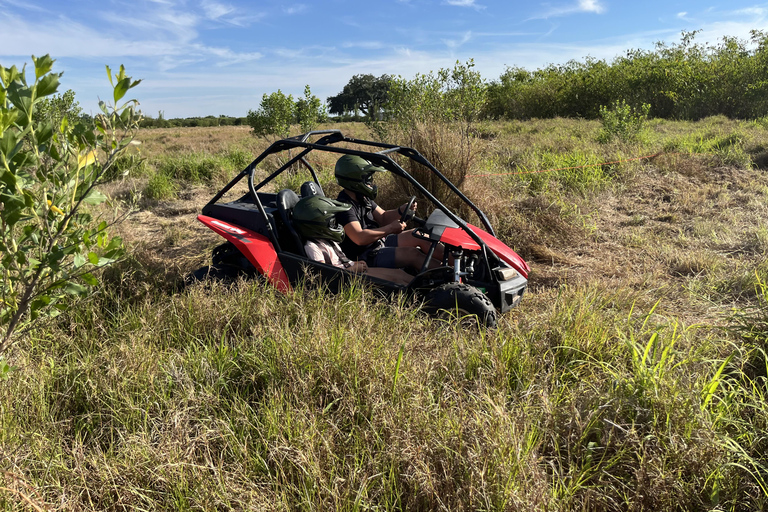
x: 356, y: 174
x: 315, y: 217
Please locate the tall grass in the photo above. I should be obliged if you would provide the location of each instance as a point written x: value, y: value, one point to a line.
x: 210, y: 399
x: 613, y: 386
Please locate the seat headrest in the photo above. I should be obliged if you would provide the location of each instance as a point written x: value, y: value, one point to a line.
x: 286, y: 199
x: 310, y: 188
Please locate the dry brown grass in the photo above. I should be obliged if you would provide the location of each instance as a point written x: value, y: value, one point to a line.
x: 240, y: 398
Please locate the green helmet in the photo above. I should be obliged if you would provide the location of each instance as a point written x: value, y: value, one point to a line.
x: 356, y: 174
x: 315, y: 217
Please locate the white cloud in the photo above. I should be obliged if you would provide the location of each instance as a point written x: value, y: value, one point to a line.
x: 295, y: 9
x: 366, y: 45
x: 456, y: 43
x: 215, y: 10
x: 464, y: 3
x: 591, y: 6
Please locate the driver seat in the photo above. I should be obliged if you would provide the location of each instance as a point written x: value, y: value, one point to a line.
x: 286, y: 199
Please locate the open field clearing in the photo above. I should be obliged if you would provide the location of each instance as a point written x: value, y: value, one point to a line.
x: 631, y: 377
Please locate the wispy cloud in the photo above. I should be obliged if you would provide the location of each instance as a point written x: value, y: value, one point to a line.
x: 215, y: 10
x: 366, y: 45
x: 295, y: 9
x: 589, y: 6
x: 464, y: 3
x: 457, y: 43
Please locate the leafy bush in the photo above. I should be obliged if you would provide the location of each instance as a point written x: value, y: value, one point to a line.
x: 48, y: 175
x: 437, y: 115
x: 622, y: 121
x: 277, y: 112
x: 58, y: 107
x: 309, y: 111
x: 685, y: 80
x: 274, y: 116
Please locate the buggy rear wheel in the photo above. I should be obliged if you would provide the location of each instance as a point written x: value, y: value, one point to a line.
x: 463, y: 301
x: 227, y: 264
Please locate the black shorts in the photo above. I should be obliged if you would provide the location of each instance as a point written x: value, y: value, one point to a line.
x: 382, y: 256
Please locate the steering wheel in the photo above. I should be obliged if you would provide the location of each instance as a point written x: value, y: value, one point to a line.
x: 408, y: 213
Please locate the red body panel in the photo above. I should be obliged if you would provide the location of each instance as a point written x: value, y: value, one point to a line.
x: 457, y: 237
x: 502, y: 251
x: 257, y: 248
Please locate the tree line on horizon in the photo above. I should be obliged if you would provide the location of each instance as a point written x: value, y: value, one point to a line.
x: 685, y: 80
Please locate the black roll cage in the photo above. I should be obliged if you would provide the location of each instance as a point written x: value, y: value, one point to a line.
x: 381, y: 158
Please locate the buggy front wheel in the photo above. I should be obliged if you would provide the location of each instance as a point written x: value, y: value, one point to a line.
x: 462, y: 300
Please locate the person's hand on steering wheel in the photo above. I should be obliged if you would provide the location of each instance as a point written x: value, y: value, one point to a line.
x: 409, y: 211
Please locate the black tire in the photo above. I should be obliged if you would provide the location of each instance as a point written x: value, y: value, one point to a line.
x: 226, y: 255
x: 228, y: 264
x: 462, y: 300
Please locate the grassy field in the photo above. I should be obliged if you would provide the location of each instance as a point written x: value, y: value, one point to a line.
x: 631, y: 377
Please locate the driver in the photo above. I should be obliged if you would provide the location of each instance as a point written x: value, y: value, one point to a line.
x: 314, y: 218
x: 375, y: 235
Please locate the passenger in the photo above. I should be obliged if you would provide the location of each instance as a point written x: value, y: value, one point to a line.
x: 375, y: 235
x: 314, y: 218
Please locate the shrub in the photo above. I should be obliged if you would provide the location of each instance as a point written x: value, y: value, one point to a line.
x: 50, y: 243
x: 274, y: 115
x: 437, y: 115
x: 622, y: 121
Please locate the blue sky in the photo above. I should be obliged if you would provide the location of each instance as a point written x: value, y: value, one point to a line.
x: 214, y: 57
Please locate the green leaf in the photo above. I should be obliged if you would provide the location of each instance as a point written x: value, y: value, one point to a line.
x: 20, y: 96
x: 8, y: 75
x: 9, y: 144
x: 121, y: 88
x: 90, y: 280
x: 79, y: 260
x: 95, y: 197
x: 7, y: 118
x: 44, y: 133
x: 75, y: 289
x: 93, y: 258
x: 48, y: 85
x: 109, y: 75
x: 43, y: 65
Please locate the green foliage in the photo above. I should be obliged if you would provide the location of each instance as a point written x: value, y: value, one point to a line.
x: 686, y: 80
x: 309, y: 111
x: 191, y: 122
x: 452, y: 95
x: 57, y: 107
x: 622, y: 121
x: 436, y: 114
x: 49, y: 174
x: 277, y: 112
x: 365, y: 93
x: 273, y: 117
x: 5, y: 369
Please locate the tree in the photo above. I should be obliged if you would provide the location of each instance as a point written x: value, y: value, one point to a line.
x: 365, y: 93
x: 274, y: 116
x: 49, y: 175
x: 309, y: 111
x: 277, y: 112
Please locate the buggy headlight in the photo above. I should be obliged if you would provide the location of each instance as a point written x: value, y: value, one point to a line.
x: 505, y: 273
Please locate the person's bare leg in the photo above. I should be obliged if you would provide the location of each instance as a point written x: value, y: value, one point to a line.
x: 412, y: 257
x: 406, y: 239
